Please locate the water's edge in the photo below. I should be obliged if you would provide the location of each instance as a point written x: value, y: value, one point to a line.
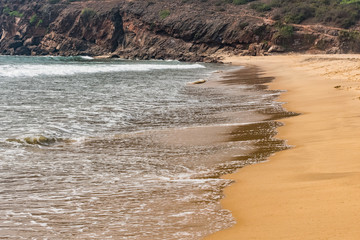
x: 263, y: 132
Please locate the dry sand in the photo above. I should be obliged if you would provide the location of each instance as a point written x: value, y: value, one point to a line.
x: 311, y: 191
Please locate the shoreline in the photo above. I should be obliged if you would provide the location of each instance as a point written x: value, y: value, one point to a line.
x: 311, y: 190
x: 246, y: 137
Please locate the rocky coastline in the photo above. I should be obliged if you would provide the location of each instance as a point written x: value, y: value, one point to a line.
x: 184, y: 30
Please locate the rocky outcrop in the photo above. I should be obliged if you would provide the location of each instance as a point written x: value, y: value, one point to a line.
x: 84, y: 32
x: 151, y: 29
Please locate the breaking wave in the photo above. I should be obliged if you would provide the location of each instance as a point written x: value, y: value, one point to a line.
x: 39, y: 140
x: 33, y: 70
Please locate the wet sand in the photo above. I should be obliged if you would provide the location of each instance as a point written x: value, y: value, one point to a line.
x: 247, y: 137
x: 310, y: 191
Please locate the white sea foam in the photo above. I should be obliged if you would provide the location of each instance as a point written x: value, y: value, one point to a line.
x: 33, y: 70
x: 87, y: 57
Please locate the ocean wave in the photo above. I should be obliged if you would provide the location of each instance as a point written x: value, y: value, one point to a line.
x: 39, y: 140
x: 86, y: 57
x: 64, y: 59
x: 33, y: 70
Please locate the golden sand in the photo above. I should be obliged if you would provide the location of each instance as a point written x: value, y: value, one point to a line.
x: 311, y: 191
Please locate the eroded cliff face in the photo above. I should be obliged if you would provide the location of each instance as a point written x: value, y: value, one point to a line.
x: 151, y: 29
x: 41, y: 28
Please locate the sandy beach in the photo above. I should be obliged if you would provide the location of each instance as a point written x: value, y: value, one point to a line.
x: 310, y: 191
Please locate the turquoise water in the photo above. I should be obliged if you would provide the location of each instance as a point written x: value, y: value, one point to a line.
x: 83, y: 155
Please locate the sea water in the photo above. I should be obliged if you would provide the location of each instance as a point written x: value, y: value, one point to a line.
x: 80, y: 155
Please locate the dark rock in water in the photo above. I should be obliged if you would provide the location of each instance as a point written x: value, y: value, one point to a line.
x: 200, y: 81
x: 15, y: 44
x: 41, y: 140
x: 22, y: 51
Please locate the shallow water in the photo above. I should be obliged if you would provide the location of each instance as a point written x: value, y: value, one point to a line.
x: 122, y: 149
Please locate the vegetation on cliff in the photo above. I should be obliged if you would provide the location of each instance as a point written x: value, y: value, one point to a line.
x: 190, y: 30
x: 340, y: 13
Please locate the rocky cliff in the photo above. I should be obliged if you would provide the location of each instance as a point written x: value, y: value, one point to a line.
x: 184, y: 30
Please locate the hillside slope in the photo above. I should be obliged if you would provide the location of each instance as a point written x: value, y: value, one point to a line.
x: 188, y: 30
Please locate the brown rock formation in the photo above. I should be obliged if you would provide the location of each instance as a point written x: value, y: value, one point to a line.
x: 151, y: 29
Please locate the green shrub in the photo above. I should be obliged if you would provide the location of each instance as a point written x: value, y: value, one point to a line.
x: 284, y: 35
x: 39, y: 23
x: 33, y: 19
x: 54, y: 1
x: 6, y: 10
x: 299, y: 13
x: 9, y: 12
x: 243, y: 25
x: 342, y: 17
x: 87, y: 13
x: 349, y: 1
x: 341, y: 13
x: 351, y: 36
x: 260, y: 7
x: 350, y: 40
x: 16, y: 14
x: 240, y: 2
x: 164, y: 13
x: 284, y: 31
x: 276, y: 3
